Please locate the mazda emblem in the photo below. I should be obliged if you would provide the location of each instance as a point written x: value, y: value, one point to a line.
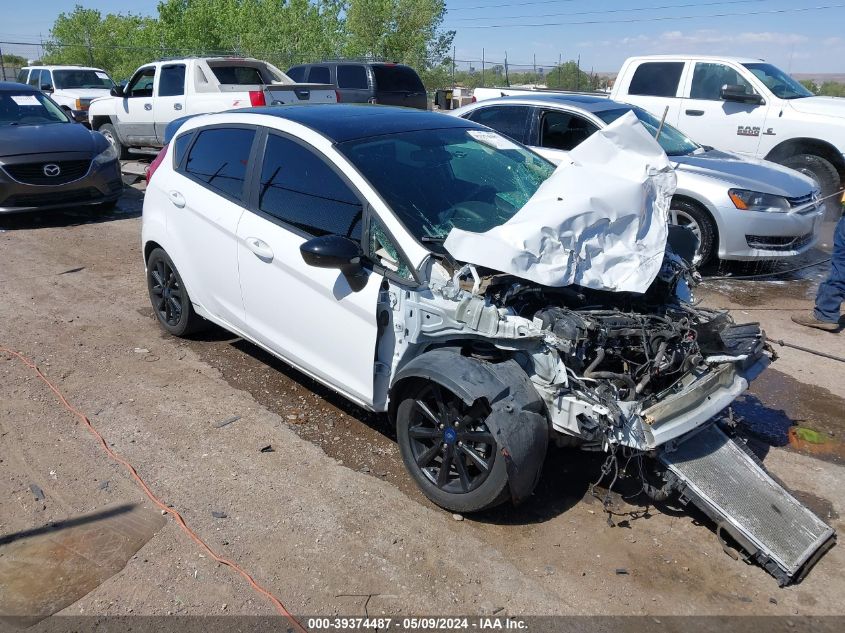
x: 52, y: 170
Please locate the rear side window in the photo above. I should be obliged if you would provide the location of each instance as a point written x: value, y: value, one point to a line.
x: 657, y: 79
x: 171, y: 83
x: 319, y: 75
x: 353, y: 77
x: 22, y: 76
x: 219, y: 159
x: 561, y: 130
x: 297, y: 73
x: 300, y: 189
x: 397, y: 79
x: 46, y: 80
x: 238, y: 75
x: 510, y: 121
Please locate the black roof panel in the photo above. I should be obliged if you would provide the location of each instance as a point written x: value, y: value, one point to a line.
x: 347, y: 121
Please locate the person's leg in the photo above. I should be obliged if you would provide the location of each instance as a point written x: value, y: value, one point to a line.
x: 831, y: 292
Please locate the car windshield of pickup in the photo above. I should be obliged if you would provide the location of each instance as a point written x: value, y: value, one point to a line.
x: 672, y: 140
x: 65, y: 79
x: 436, y: 180
x: 782, y: 85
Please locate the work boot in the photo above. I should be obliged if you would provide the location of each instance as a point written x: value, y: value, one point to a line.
x: 809, y: 319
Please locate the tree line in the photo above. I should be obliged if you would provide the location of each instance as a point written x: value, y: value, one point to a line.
x: 283, y: 32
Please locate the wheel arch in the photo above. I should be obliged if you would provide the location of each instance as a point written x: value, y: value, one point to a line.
x: 715, y: 217
x: 814, y: 146
x: 518, y: 417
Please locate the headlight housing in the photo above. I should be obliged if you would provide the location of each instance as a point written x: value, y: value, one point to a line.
x: 106, y: 156
x: 746, y: 200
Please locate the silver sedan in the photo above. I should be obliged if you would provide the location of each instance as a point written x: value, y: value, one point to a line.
x: 740, y: 208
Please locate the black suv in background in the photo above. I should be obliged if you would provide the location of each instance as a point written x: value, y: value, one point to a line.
x: 367, y: 82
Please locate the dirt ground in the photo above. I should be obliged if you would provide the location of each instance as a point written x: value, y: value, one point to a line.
x: 328, y: 520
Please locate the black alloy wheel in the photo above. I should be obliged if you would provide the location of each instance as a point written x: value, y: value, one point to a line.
x: 449, y: 449
x: 168, y: 296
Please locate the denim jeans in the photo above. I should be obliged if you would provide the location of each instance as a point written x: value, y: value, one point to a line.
x: 832, y: 291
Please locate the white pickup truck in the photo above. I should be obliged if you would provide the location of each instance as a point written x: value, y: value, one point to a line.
x: 742, y: 105
x: 137, y: 115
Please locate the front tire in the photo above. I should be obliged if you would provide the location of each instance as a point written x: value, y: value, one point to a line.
x: 699, y: 221
x: 169, y: 297
x: 819, y: 169
x: 107, y: 130
x: 448, y: 450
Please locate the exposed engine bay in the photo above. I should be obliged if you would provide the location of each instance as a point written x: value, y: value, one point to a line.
x: 605, y: 363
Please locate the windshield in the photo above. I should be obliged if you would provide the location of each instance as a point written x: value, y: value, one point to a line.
x: 436, y: 180
x: 28, y: 108
x: 782, y: 85
x: 82, y: 79
x: 672, y: 140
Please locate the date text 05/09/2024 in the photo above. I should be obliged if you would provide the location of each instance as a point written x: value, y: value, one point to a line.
x: 481, y: 623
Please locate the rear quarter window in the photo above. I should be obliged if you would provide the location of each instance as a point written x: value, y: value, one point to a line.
x: 397, y: 79
x: 656, y: 79
x: 238, y: 75
x: 508, y: 120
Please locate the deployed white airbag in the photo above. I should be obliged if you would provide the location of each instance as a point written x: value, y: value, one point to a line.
x: 598, y: 221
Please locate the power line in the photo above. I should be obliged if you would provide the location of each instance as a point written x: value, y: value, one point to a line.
x: 510, y: 4
x: 657, y: 19
x: 603, y: 11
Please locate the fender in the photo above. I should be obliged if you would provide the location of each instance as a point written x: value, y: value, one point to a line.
x: 517, y: 419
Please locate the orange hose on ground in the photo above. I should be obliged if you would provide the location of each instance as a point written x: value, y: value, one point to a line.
x: 176, y: 516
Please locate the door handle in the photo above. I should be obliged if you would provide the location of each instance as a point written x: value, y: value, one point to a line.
x: 695, y: 112
x: 177, y: 106
x: 260, y: 248
x: 148, y: 106
x: 176, y: 198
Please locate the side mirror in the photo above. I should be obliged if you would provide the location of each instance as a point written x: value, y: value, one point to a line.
x: 333, y: 251
x: 117, y: 91
x: 736, y: 92
x: 46, y: 88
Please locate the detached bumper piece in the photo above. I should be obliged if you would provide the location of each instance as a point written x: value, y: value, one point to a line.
x: 774, y: 529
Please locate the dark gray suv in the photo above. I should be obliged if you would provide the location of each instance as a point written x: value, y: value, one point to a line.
x: 367, y: 82
x: 49, y: 162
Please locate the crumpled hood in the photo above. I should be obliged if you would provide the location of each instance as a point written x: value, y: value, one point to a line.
x: 745, y: 173
x: 17, y: 140
x: 599, y: 221
x: 825, y: 106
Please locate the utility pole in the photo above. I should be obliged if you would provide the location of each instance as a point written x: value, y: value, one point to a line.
x: 482, y: 68
x: 535, y: 63
x: 559, y: 63
x: 507, y: 77
x: 2, y: 65
x: 454, y: 52
x: 578, y: 73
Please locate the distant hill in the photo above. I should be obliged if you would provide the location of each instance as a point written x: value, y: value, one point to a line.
x: 820, y: 78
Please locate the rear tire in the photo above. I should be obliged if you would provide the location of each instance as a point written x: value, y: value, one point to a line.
x: 435, y: 427
x: 169, y: 297
x: 107, y: 130
x: 699, y: 221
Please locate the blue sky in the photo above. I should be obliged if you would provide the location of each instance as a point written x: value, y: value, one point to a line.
x: 800, y: 41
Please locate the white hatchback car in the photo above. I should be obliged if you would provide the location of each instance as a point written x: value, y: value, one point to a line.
x: 317, y: 233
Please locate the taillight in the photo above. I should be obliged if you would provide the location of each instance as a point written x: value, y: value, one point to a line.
x: 337, y: 95
x: 156, y: 162
x: 256, y: 98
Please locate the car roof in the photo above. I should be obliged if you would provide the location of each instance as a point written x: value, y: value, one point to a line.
x: 699, y: 58
x: 13, y: 85
x: 340, y: 62
x: 345, y: 122
x: 61, y: 67
x: 583, y: 102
